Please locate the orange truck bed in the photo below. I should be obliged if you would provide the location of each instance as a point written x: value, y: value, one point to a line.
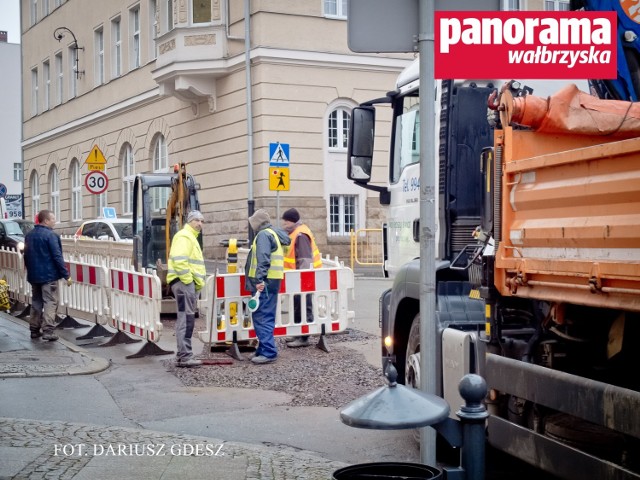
x: 570, y: 217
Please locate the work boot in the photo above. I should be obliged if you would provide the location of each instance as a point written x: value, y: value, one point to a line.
x: 35, y: 334
x: 261, y: 359
x: 290, y: 339
x: 299, y: 342
x: 50, y: 337
x: 192, y: 362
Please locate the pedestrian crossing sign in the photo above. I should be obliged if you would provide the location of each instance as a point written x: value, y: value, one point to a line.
x: 279, y: 179
x: 279, y: 154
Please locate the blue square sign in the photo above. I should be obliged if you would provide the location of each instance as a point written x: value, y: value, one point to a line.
x: 109, y: 212
x: 279, y: 154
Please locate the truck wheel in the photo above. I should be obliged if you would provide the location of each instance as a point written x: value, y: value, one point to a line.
x: 412, y: 363
x: 412, y: 359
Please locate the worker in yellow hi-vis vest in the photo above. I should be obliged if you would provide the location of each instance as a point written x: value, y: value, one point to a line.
x: 302, y: 254
x: 264, y: 273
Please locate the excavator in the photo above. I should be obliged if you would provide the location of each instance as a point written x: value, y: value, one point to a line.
x: 161, y: 203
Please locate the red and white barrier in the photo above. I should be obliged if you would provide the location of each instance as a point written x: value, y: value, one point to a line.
x: 135, y: 303
x: 87, y: 295
x: 228, y: 316
x: 12, y: 270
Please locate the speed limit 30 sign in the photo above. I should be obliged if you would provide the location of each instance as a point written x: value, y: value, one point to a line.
x: 96, y: 182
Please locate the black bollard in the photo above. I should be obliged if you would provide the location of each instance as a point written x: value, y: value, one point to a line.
x: 473, y: 415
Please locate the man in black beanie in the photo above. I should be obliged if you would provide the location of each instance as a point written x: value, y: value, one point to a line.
x: 302, y: 254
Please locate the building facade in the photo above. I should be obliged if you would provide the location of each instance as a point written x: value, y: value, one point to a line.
x: 153, y: 83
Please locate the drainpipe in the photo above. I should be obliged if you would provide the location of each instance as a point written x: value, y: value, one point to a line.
x: 247, y: 52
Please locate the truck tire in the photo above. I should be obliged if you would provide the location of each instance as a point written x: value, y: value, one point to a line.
x: 412, y: 355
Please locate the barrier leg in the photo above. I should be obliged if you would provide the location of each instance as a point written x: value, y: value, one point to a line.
x: 234, y: 351
x: 69, y: 322
x: 21, y: 310
x: 322, y: 344
x: 120, y: 337
x: 148, y: 349
x: 96, y: 331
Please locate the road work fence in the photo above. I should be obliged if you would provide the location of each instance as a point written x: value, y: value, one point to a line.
x: 366, y: 247
x: 105, y: 294
x: 229, y: 320
x: 126, y: 300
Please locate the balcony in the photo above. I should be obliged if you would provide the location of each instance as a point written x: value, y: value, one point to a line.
x: 189, y: 61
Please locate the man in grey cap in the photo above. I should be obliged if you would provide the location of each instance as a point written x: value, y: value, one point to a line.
x: 264, y: 271
x: 186, y: 275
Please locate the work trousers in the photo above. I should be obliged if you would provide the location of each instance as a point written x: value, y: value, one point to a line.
x: 186, y: 300
x: 264, y: 319
x: 44, y: 306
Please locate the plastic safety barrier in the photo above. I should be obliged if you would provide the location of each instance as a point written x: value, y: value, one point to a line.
x: 135, y: 303
x: 87, y: 296
x: 12, y: 270
x: 229, y: 319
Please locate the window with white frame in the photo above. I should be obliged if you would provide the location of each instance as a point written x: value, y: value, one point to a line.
x: 160, y: 164
x: 46, y: 73
x: 33, y: 12
x: 59, y: 78
x: 201, y: 11
x: 343, y: 214
x: 153, y: 28
x: 128, y: 176
x: 338, y: 129
x: 34, y: 91
x: 76, y: 190
x: 98, y: 36
x: 73, y: 79
x: 17, y: 172
x: 54, y: 189
x: 134, y: 28
x: 514, y: 5
x: 116, y: 48
x: 101, y: 202
x: 35, y: 194
x: 168, y: 15
x: 556, y: 5
x: 335, y: 8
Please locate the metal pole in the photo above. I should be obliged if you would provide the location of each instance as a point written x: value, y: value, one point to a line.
x: 247, y: 66
x: 428, y: 324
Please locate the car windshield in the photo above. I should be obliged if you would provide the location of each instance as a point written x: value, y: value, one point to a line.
x: 124, y: 230
x: 12, y: 228
x: 26, y: 226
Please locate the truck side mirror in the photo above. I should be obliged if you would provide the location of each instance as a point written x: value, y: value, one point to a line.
x: 361, y: 139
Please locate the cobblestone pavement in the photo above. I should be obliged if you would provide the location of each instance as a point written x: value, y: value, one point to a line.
x: 32, y: 449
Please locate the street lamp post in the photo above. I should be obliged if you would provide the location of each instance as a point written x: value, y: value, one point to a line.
x: 58, y: 34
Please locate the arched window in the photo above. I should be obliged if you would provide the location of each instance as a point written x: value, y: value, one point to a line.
x: 160, y: 164
x: 35, y: 194
x: 76, y: 190
x: 54, y: 189
x: 128, y: 174
x: 338, y: 129
x: 160, y: 157
x: 346, y: 202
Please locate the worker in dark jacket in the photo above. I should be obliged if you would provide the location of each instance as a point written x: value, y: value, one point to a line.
x: 45, y: 266
x: 263, y: 273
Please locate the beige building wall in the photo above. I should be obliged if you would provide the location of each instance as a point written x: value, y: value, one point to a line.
x: 194, y: 94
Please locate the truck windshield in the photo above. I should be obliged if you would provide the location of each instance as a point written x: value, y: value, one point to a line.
x: 406, y: 136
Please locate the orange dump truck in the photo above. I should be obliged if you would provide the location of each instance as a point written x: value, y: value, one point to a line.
x: 562, y: 284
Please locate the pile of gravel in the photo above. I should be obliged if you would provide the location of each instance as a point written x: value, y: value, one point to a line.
x: 311, y: 376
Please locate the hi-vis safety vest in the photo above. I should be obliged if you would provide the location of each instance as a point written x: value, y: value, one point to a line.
x: 276, y: 269
x: 290, y: 254
x: 185, y: 259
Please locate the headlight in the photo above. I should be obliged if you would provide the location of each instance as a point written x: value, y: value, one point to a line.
x: 20, y: 246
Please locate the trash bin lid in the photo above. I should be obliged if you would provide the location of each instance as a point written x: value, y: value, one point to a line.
x: 387, y: 470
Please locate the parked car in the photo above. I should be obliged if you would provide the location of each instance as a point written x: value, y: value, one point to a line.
x: 11, y: 235
x: 25, y: 225
x: 118, y: 229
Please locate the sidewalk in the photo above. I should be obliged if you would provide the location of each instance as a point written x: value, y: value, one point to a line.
x: 36, y: 449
